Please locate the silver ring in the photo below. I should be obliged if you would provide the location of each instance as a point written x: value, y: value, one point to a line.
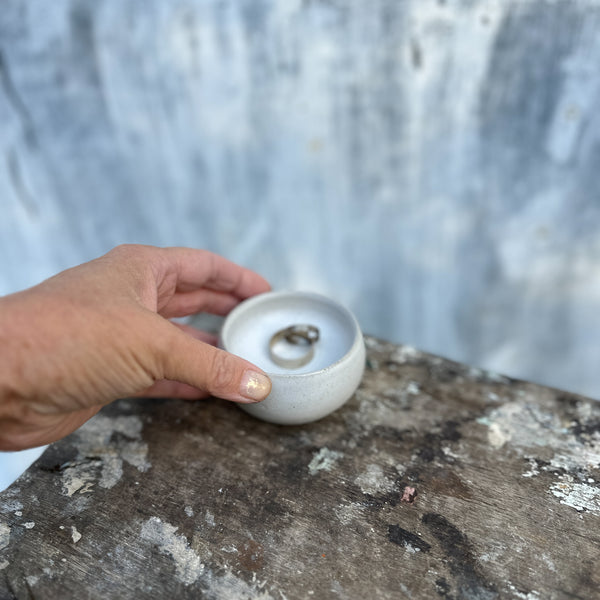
x: 296, y: 335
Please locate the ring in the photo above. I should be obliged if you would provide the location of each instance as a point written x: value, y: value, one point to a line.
x: 295, y: 335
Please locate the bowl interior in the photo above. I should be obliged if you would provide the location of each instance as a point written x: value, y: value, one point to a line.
x: 249, y: 328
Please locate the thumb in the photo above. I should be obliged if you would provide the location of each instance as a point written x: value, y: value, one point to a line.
x: 215, y: 371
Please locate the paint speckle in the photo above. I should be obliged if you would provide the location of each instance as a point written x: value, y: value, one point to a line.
x: 497, y: 437
x: 521, y: 595
x: 31, y: 580
x: 210, y: 518
x: 346, y: 513
x: 490, y: 556
x: 549, y: 562
x: 188, y: 511
x: 413, y: 388
x: 323, y: 460
x: 411, y: 542
x: 227, y: 585
x: 4, y: 535
x: 405, y: 354
x: 533, y: 470
x: 373, y: 481
x: 18, y: 513
x: 163, y: 535
x: 135, y: 453
x: 3, y: 564
x: 29, y: 525
x: 486, y: 375
x: 409, y: 494
x: 75, y: 535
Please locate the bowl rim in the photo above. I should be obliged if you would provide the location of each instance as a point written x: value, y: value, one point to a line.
x: 245, y: 304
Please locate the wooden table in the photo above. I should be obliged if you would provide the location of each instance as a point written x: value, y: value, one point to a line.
x: 435, y: 481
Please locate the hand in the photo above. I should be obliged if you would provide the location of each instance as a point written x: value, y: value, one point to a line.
x: 100, y: 331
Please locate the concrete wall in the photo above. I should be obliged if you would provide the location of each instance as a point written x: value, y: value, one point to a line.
x: 432, y: 164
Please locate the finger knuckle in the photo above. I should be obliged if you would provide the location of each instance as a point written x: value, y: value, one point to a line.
x: 130, y: 251
x: 125, y: 249
x: 223, y: 372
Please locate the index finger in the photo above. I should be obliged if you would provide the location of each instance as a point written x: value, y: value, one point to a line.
x: 192, y: 269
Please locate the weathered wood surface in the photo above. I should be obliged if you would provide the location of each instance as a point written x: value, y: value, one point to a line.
x: 168, y: 499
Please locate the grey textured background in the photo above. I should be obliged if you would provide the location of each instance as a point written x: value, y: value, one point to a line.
x: 432, y: 164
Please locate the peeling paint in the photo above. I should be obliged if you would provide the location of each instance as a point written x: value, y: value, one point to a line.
x: 187, y: 563
x: 4, y: 564
x: 523, y: 424
x: 105, y: 468
x: 4, y: 535
x: 98, y: 430
x: 323, y: 460
x: 78, y: 479
x: 533, y: 471
x: 11, y: 505
x: 580, y: 496
x: 188, y: 511
x: 577, y: 456
x: 112, y: 471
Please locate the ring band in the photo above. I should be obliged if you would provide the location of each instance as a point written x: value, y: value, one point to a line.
x: 296, y: 335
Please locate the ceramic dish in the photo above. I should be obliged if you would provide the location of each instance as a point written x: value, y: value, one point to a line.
x: 311, y: 378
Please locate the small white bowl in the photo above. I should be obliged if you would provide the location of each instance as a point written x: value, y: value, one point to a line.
x: 311, y: 392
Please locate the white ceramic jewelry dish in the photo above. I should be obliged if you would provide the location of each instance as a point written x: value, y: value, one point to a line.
x: 311, y: 347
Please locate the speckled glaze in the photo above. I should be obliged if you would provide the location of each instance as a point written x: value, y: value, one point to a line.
x: 298, y: 398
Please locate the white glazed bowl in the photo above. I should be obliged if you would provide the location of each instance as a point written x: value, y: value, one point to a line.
x: 315, y: 390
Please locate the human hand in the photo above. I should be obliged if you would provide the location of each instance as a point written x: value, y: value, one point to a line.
x: 101, y: 331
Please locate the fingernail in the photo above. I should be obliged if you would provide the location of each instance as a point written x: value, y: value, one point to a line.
x: 255, y: 386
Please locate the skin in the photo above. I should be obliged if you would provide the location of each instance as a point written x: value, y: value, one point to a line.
x: 101, y: 331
